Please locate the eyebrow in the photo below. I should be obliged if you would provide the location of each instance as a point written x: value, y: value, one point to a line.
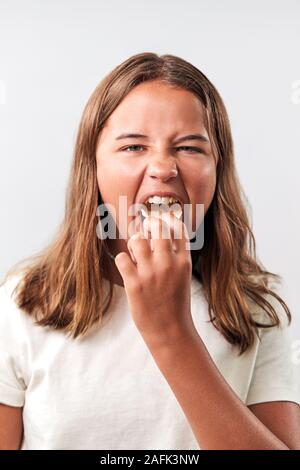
x: 200, y: 137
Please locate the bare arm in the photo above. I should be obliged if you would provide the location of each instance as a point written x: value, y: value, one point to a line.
x: 217, y: 416
x: 11, y: 427
x: 282, y: 418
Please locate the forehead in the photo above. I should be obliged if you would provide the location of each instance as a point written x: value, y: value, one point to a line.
x: 156, y: 106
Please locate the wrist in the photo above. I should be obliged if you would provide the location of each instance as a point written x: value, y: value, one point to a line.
x: 176, y: 337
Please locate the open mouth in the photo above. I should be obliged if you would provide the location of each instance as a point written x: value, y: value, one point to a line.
x: 156, y: 206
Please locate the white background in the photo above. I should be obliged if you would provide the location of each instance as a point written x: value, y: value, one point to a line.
x: 54, y: 53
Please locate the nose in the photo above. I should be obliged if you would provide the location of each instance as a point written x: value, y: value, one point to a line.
x: 163, y: 168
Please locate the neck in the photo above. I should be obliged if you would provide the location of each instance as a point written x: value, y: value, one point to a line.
x: 111, y: 273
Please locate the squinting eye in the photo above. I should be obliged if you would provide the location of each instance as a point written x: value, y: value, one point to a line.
x: 194, y: 149
x: 131, y: 146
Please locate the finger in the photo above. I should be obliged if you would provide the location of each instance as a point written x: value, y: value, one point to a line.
x: 126, y: 268
x: 160, y: 234
x: 139, y: 247
x: 180, y: 236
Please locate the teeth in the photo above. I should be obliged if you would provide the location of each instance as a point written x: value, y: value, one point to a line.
x: 156, y: 205
x: 157, y: 210
x: 161, y: 200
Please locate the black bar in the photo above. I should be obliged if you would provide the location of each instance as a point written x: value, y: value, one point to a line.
x: 137, y: 458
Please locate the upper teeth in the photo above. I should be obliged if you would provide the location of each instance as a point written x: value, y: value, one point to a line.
x: 161, y: 200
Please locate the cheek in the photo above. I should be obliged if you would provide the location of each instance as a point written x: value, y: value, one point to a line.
x: 108, y: 176
x: 117, y: 179
x: 201, y: 184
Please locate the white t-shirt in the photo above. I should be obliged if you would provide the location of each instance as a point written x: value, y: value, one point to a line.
x: 107, y: 392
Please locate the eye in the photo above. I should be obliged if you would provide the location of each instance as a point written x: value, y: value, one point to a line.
x: 193, y: 149
x: 131, y: 146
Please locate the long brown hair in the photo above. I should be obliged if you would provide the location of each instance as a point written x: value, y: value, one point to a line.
x: 62, y: 286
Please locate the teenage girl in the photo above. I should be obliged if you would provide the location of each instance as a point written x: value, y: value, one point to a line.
x: 141, y: 341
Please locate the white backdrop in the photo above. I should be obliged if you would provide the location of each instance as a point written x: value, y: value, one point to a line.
x: 53, y: 53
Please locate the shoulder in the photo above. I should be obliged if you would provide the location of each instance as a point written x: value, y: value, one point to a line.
x: 13, y: 346
x: 8, y: 288
x: 276, y: 297
x: 18, y: 329
x: 10, y: 314
x: 10, y: 281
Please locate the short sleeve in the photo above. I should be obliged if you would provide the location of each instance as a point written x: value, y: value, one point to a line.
x: 275, y: 375
x: 12, y: 385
